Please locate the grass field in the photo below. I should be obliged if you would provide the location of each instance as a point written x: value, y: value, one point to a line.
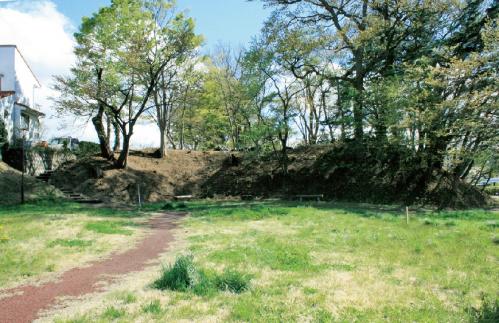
x: 319, y: 263
x: 39, y: 240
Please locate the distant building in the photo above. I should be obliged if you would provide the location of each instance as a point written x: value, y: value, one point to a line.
x: 17, y: 96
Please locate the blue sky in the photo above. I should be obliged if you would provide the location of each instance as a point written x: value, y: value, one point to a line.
x: 226, y: 21
x: 41, y: 32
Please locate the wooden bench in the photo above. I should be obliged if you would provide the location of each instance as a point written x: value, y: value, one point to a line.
x: 183, y: 198
x: 317, y: 197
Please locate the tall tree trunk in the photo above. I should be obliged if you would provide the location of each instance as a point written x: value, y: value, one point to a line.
x: 117, y: 137
x: 358, y: 108
x: 122, y: 161
x: 163, y: 147
x: 98, y: 123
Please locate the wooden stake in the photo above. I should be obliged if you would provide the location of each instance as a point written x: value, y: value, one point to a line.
x: 407, y: 214
x: 138, y: 193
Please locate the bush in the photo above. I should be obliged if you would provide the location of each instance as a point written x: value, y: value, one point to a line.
x: 87, y: 148
x: 184, y: 276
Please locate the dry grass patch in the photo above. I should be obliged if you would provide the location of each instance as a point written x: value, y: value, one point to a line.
x: 46, y: 240
x: 319, y: 263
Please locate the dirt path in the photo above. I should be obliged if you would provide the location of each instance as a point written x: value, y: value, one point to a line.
x: 29, y: 300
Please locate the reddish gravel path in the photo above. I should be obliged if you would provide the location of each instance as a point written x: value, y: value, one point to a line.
x: 80, y: 281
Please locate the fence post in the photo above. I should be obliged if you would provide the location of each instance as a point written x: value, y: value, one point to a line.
x: 138, y: 193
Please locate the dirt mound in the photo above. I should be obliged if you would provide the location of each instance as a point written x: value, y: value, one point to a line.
x: 346, y: 171
x: 10, y: 187
x: 180, y: 173
x: 342, y: 171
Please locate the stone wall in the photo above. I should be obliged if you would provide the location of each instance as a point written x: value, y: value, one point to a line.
x: 38, y: 160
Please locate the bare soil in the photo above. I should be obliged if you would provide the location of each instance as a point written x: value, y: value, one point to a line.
x: 25, y: 303
x: 180, y: 173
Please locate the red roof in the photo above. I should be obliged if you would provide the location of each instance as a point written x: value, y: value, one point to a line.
x: 4, y: 94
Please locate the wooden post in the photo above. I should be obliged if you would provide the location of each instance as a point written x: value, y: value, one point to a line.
x: 138, y: 193
x: 407, y: 214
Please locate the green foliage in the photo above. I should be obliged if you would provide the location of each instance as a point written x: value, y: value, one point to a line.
x: 87, y: 148
x: 3, y: 133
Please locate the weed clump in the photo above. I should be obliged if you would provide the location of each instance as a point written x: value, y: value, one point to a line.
x: 232, y: 281
x: 185, y: 276
x: 181, y: 276
x: 488, y: 312
x: 3, y: 235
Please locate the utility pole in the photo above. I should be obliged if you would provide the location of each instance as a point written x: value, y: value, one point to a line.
x: 23, y: 132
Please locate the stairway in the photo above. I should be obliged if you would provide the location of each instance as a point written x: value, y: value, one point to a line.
x: 73, y: 196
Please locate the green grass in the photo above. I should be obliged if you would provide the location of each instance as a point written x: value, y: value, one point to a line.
x: 184, y: 276
x: 334, y: 262
x: 109, y: 227
x: 70, y: 243
x: 153, y: 307
x: 37, y: 239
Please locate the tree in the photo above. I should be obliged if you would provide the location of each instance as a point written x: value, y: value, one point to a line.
x: 173, y: 78
x: 3, y: 133
x: 366, y: 37
x: 122, y: 51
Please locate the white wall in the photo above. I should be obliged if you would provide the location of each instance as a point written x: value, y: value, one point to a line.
x: 25, y: 82
x: 7, y: 68
x: 18, y: 78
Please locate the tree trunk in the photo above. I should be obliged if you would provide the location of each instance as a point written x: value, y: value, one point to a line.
x: 122, y: 161
x: 163, y: 149
x: 101, y: 134
x: 358, y: 109
x: 117, y: 137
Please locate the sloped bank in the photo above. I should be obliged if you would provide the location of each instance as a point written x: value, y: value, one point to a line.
x: 347, y: 172
x: 340, y: 171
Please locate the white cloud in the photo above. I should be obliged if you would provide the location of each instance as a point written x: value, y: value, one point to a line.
x: 45, y: 38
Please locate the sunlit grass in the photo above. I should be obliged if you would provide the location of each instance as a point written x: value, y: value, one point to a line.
x: 329, y: 262
x: 44, y: 238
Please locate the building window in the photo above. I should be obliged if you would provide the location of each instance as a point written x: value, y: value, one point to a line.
x: 24, y: 122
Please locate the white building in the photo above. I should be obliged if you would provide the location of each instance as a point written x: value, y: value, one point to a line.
x: 18, y: 86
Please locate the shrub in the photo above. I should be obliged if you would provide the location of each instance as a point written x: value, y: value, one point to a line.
x: 232, y: 281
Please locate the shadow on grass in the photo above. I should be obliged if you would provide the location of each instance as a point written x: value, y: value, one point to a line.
x: 253, y: 210
x: 59, y: 207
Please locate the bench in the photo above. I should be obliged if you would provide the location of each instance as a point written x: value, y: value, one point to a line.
x: 183, y: 198
x: 317, y: 197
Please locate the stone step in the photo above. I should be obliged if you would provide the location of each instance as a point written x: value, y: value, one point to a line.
x: 88, y: 201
